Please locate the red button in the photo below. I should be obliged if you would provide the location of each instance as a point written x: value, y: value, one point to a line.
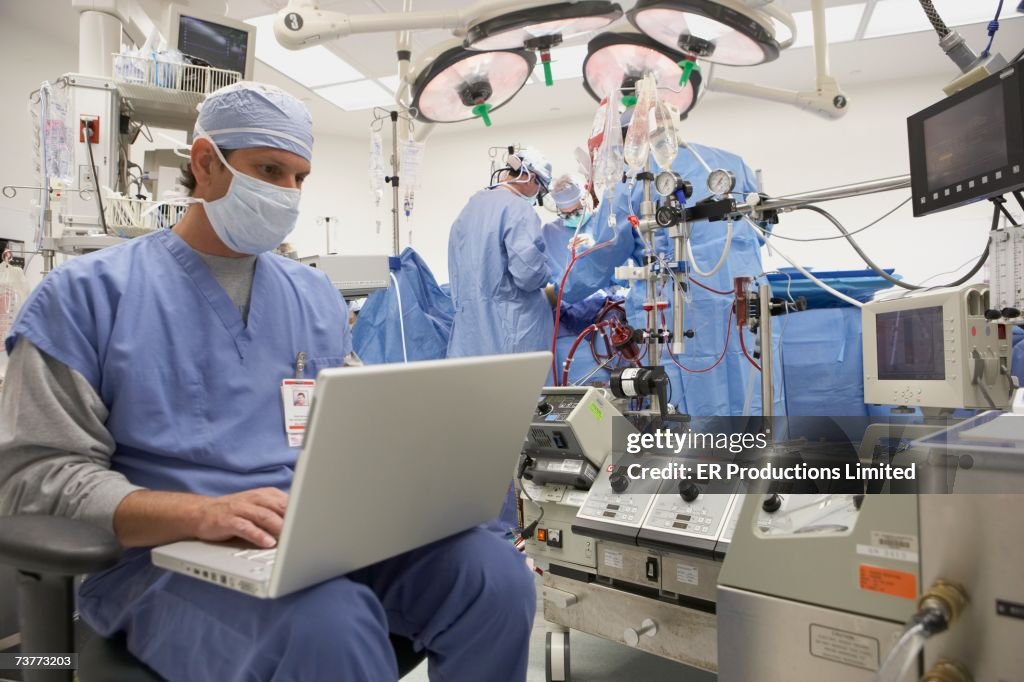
x: 1002, y: 331
x: 974, y: 331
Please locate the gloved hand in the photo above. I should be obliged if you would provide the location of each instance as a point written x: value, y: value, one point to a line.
x: 576, y: 317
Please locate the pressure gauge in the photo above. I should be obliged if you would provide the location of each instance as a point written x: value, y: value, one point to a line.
x: 721, y: 182
x: 667, y: 182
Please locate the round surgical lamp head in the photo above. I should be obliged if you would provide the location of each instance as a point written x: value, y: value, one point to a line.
x: 459, y: 84
x: 718, y: 31
x: 616, y: 62
x: 541, y: 27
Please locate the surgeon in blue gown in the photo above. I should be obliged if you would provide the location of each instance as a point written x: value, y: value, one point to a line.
x: 144, y: 395
x: 567, y: 231
x: 497, y: 265
x: 724, y: 390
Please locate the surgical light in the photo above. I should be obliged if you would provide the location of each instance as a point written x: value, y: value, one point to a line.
x: 541, y: 28
x: 616, y: 62
x: 460, y: 84
x: 719, y: 31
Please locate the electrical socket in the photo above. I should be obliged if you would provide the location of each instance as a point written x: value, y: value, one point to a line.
x: 85, y: 178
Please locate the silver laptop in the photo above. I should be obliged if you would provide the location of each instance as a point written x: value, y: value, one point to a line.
x: 395, y: 457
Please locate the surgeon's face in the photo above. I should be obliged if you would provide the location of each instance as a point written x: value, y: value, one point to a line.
x: 574, y: 210
x: 275, y: 166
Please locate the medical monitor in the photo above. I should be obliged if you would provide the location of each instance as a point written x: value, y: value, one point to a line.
x: 969, y: 146
x: 936, y: 349
x: 221, y: 42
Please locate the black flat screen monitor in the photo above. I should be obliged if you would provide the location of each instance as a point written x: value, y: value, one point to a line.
x: 969, y: 146
x: 222, y: 47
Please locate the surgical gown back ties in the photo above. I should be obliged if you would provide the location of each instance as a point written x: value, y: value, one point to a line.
x: 193, y: 393
x: 723, y: 390
x: 498, y: 269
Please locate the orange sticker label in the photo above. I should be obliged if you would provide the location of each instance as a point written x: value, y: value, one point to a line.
x: 888, y: 581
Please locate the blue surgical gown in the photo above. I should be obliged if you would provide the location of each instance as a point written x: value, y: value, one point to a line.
x: 556, y: 244
x: 498, y: 269
x: 723, y: 390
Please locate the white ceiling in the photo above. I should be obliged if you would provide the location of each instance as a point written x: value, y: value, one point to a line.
x: 853, y: 63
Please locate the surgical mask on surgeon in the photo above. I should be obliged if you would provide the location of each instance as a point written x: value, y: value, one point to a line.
x: 574, y: 220
x: 254, y: 216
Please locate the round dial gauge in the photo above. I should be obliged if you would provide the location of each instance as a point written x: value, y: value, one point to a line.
x: 666, y: 183
x: 721, y: 182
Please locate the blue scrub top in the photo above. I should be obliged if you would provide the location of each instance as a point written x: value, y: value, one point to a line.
x: 194, y: 393
x: 556, y: 244
x: 498, y: 269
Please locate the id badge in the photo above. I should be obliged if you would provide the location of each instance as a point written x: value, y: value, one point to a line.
x: 296, y: 398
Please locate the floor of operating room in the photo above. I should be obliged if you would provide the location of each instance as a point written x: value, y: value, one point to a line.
x: 596, y: 660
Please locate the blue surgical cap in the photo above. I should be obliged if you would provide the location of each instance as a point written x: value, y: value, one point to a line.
x: 249, y: 114
x: 536, y: 164
x: 568, y: 191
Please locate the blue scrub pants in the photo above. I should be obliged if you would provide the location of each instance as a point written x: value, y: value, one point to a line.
x: 469, y: 600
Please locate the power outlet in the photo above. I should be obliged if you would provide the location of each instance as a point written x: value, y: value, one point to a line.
x: 85, y: 177
x: 95, y: 120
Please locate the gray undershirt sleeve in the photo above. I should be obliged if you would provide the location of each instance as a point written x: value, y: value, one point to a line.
x: 55, y: 449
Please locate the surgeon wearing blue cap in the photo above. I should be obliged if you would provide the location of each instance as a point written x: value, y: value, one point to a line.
x: 144, y: 395
x: 498, y: 268
x: 568, y: 230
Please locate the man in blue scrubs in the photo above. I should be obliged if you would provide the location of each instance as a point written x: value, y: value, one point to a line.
x: 497, y: 266
x: 144, y: 395
x: 572, y: 203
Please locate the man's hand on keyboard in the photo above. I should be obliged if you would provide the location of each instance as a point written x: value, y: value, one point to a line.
x: 256, y: 516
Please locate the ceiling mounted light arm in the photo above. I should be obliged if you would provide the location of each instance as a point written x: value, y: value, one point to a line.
x: 303, y: 24
x: 827, y: 99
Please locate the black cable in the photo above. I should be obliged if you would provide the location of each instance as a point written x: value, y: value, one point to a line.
x: 95, y: 181
x: 776, y: 235
x: 885, y: 275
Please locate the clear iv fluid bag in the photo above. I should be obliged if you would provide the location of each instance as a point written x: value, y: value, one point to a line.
x: 664, y: 144
x: 608, y: 172
x: 376, y: 172
x: 637, y: 145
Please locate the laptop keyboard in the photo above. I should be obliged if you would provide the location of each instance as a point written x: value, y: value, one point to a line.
x: 263, y: 556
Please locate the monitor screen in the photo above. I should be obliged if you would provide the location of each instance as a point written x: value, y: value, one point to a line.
x: 966, y: 140
x: 910, y: 345
x: 223, y: 47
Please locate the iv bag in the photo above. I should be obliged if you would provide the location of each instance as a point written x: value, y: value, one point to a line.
x: 664, y: 144
x: 637, y: 145
x: 376, y: 166
x: 412, y: 158
x: 608, y: 168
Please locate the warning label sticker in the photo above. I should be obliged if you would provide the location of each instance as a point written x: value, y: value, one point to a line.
x: 844, y: 647
x: 688, y: 575
x: 887, y: 581
x: 613, y: 559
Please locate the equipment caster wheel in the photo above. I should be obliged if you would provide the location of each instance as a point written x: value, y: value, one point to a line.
x: 557, y: 657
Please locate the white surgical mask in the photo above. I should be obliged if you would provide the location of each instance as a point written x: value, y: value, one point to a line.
x: 254, y: 216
